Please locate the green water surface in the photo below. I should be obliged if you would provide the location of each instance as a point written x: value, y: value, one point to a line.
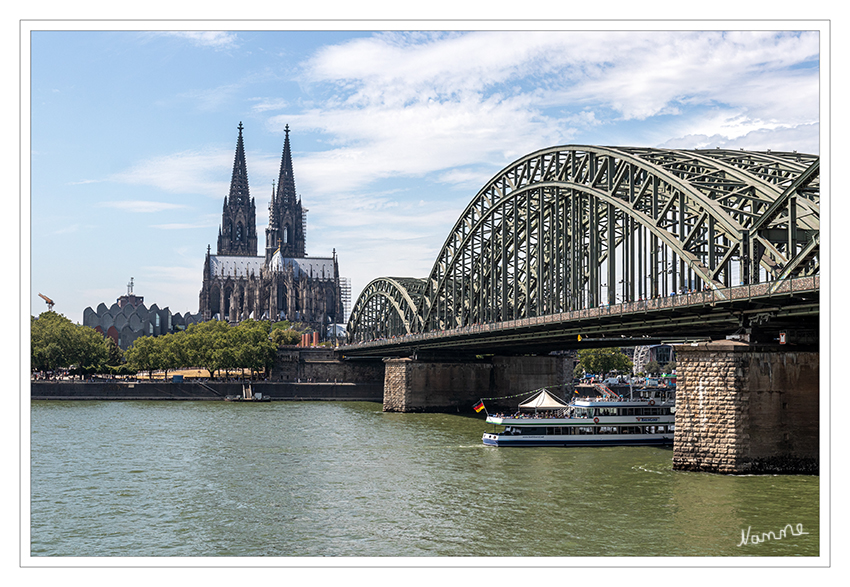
x: 344, y: 479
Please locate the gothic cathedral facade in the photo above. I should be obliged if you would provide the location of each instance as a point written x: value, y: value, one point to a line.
x: 284, y: 283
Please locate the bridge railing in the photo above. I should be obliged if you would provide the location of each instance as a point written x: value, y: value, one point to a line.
x: 699, y: 298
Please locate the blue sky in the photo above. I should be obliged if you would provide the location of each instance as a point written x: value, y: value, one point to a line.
x: 133, y: 134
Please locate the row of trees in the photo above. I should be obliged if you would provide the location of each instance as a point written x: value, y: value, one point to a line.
x: 604, y: 361
x: 57, y: 343
x: 214, y: 346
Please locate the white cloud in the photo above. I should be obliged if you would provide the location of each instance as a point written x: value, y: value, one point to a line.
x: 406, y: 105
x: 183, y: 172
x: 71, y: 228
x: 803, y: 139
x: 205, y: 171
x: 472, y: 179
x: 212, y: 99
x: 266, y: 104
x: 454, y: 108
x: 141, y: 206
x: 380, y: 142
x: 217, y: 40
x: 179, y: 226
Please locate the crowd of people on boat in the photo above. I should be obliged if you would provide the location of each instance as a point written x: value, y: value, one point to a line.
x: 543, y: 415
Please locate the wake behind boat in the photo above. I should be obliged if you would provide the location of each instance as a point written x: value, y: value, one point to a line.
x: 545, y: 420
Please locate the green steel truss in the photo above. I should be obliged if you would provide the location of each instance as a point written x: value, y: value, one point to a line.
x: 576, y: 227
x: 388, y: 307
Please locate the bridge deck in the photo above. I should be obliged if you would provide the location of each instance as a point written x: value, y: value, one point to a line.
x: 793, y: 304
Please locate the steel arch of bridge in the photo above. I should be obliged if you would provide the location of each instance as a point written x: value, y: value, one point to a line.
x: 388, y: 307
x: 576, y: 227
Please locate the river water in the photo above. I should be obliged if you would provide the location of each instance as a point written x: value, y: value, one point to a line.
x: 344, y: 479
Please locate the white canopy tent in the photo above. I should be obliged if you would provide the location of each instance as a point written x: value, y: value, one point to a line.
x: 544, y: 401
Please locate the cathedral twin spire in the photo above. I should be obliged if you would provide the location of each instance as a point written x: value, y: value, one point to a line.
x: 238, y: 231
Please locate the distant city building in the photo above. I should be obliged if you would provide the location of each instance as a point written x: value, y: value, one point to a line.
x: 284, y: 284
x: 128, y: 319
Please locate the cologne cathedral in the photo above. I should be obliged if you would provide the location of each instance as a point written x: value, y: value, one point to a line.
x: 283, y: 284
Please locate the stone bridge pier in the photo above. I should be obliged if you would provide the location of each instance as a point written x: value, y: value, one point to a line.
x: 747, y: 408
x: 422, y: 385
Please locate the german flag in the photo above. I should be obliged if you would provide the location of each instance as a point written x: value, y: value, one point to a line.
x: 478, y: 407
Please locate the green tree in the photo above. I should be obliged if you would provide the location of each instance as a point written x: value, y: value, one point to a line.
x: 225, y: 358
x: 282, y: 325
x: 142, y: 355
x: 56, y: 343
x: 285, y: 337
x: 669, y: 367
x: 89, y: 349
x: 169, y: 353
x: 652, y: 368
x: 252, y: 346
x: 603, y: 361
x: 114, y: 354
x: 203, y: 343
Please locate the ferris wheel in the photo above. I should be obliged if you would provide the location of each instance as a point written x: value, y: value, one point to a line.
x: 641, y: 358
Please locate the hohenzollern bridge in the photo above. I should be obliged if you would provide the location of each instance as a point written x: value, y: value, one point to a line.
x: 619, y: 245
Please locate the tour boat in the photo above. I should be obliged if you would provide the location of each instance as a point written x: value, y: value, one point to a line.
x: 608, y: 420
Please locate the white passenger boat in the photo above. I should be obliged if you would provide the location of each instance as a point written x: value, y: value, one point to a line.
x: 610, y: 420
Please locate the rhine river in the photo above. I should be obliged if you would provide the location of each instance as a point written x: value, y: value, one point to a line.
x: 344, y: 479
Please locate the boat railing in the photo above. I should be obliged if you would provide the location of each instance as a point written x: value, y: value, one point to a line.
x: 548, y: 415
x: 564, y: 414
